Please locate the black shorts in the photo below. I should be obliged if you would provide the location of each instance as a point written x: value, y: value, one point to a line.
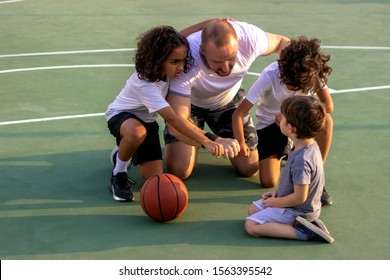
x: 150, y: 149
x: 271, y: 142
x: 220, y: 121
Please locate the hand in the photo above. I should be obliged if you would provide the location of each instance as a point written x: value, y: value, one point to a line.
x: 231, y: 147
x: 269, y: 202
x: 214, y: 148
x: 267, y: 195
x: 244, y: 150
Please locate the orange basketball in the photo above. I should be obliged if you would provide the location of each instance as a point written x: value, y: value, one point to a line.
x: 164, y: 197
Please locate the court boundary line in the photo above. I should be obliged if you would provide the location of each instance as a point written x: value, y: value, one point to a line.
x: 10, y: 1
x: 133, y: 49
x: 102, y: 114
x: 333, y: 91
x: 65, y: 67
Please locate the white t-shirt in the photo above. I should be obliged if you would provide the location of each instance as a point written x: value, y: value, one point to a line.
x: 268, y: 92
x: 141, y: 98
x: 208, y: 90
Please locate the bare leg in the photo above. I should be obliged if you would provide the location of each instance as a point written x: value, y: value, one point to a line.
x: 270, y: 229
x: 269, y: 171
x: 180, y: 159
x: 247, y: 166
x: 133, y: 135
x: 150, y: 168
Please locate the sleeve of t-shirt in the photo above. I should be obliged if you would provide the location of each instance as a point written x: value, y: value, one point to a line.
x: 301, y: 172
x: 255, y: 39
x: 151, y: 98
x: 260, y: 86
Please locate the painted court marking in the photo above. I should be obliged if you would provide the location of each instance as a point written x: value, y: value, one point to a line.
x: 10, y: 1
x: 333, y: 91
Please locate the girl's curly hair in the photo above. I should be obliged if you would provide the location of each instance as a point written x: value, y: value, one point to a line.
x: 153, y: 49
x: 303, y: 66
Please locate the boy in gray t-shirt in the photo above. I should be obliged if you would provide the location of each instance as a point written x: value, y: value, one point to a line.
x: 292, y: 210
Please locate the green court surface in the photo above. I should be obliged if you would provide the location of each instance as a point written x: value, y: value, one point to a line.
x: 69, y: 59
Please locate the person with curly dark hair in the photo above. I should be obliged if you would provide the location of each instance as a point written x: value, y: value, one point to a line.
x: 162, y: 53
x: 302, y: 68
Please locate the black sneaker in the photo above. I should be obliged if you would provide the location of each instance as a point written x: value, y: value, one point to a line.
x: 121, y: 187
x: 315, y: 230
x: 325, y: 198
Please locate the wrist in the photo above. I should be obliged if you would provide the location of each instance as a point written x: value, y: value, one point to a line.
x: 211, y: 136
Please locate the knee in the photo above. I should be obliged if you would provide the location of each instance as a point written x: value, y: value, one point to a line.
x: 136, y: 136
x: 247, y: 170
x: 249, y: 228
x: 178, y: 171
x: 268, y: 181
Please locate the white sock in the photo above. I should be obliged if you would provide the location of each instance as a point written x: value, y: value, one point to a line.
x: 120, y: 166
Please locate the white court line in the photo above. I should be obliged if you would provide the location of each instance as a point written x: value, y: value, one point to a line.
x: 102, y: 114
x: 10, y: 1
x: 133, y: 49
x: 52, y: 119
x: 132, y: 65
x: 355, y: 47
x: 64, y: 67
x: 333, y: 91
x: 66, y: 52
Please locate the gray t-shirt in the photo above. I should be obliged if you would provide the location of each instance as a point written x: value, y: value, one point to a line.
x: 304, y: 166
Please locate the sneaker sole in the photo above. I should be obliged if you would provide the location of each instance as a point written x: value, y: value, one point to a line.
x: 315, y: 229
x: 321, y: 225
x: 117, y: 198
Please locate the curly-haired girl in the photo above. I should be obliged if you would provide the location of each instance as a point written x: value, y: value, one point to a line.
x: 301, y: 69
x: 162, y: 54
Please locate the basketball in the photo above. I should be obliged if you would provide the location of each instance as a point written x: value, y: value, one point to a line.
x: 164, y: 197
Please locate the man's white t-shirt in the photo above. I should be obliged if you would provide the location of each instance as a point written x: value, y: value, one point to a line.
x: 208, y: 90
x: 141, y: 98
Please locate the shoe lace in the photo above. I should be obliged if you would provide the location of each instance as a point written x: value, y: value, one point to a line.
x: 126, y: 182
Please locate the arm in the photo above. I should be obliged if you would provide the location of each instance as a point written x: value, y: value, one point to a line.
x: 238, y: 126
x: 187, y: 128
x: 298, y: 197
x: 326, y: 99
x: 182, y: 107
x: 276, y: 43
x: 199, y: 26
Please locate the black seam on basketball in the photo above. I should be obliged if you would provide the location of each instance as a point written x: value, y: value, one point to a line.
x: 177, y: 196
x: 159, y: 201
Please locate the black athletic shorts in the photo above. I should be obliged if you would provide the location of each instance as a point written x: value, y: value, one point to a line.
x: 271, y: 141
x: 150, y: 149
x: 220, y: 121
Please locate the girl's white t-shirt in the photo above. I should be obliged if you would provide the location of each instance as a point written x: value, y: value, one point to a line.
x: 141, y: 98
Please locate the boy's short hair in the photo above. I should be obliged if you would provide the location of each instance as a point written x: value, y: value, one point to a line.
x: 306, y: 113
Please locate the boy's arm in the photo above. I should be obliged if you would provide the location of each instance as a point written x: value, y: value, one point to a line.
x: 326, y: 99
x: 298, y: 197
x: 238, y: 126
